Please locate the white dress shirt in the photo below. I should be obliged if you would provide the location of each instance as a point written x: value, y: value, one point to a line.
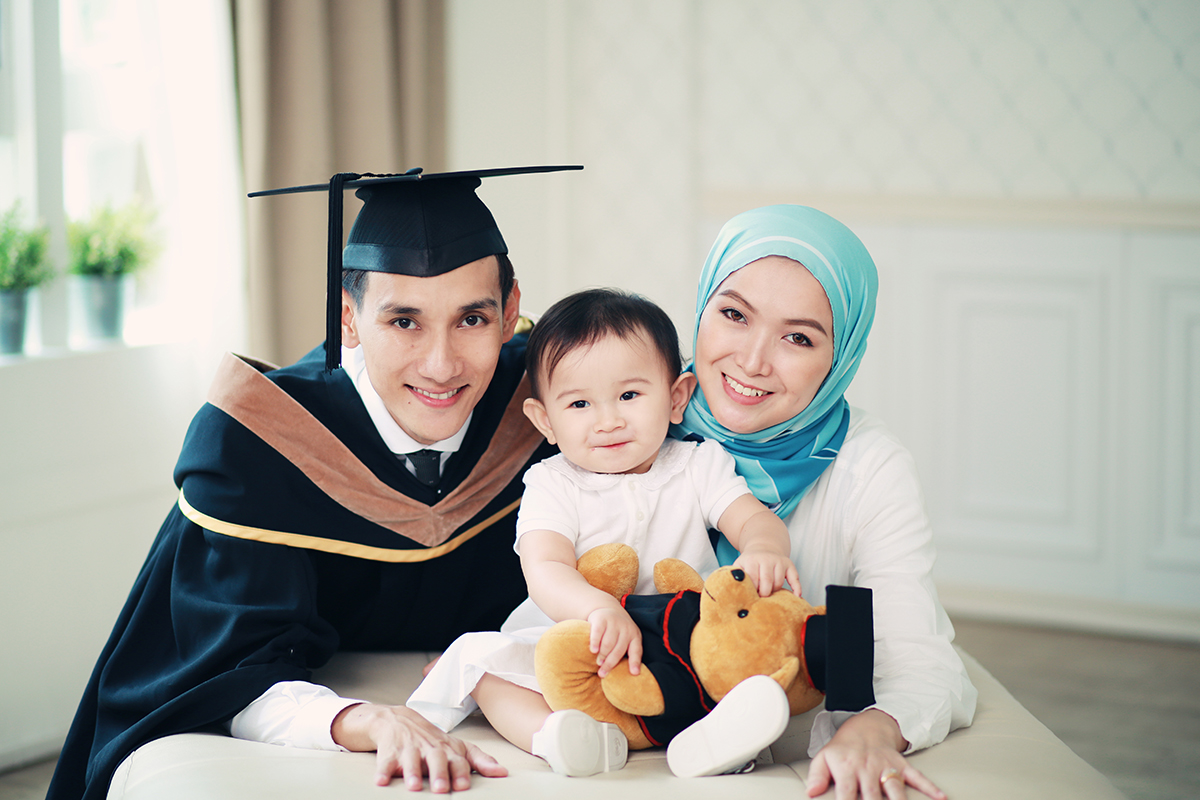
x: 301, y: 714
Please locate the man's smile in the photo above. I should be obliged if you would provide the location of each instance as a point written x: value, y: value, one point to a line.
x: 437, y: 395
x: 443, y: 399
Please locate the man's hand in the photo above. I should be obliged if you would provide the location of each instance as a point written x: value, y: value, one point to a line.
x: 614, y: 635
x: 409, y: 746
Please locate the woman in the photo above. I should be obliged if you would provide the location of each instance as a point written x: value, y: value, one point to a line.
x: 786, y: 300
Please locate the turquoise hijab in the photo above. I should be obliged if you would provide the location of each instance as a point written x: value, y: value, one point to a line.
x: 780, y: 463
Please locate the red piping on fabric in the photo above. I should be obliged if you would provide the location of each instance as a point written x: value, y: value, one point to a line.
x: 667, y: 644
x: 807, y: 674
x: 646, y: 731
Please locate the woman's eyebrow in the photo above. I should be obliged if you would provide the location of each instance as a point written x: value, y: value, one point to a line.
x: 806, y: 323
x: 798, y: 321
x: 733, y: 293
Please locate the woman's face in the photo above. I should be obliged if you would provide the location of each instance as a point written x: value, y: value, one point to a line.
x: 764, y: 345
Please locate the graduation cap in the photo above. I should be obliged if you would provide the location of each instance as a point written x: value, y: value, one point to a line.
x: 839, y: 649
x: 410, y: 224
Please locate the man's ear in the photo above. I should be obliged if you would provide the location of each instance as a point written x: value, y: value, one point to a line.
x: 681, y: 393
x: 538, y: 416
x: 512, y: 311
x: 349, y: 321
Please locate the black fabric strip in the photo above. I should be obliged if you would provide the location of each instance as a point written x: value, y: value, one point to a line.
x: 850, y: 661
x: 815, y: 634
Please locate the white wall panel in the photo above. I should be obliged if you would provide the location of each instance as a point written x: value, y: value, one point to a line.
x: 1179, y: 540
x: 1160, y: 464
x: 87, y: 445
x: 1018, y: 360
x: 1007, y: 385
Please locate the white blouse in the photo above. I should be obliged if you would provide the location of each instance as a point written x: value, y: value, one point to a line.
x: 863, y: 523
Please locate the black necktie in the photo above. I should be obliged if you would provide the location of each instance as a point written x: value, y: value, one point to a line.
x: 428, y: 465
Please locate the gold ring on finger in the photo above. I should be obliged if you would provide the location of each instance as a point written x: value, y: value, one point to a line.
x: 888, y: 774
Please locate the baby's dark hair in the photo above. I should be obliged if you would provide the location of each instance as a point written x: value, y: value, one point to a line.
x: 586, y: 317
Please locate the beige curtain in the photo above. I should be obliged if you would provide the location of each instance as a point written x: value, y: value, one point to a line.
x: 325, y: 87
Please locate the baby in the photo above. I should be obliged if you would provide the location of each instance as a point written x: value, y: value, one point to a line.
x: 607, y: 382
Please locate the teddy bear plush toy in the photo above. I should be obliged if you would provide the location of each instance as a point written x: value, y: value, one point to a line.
x: 701, y: 638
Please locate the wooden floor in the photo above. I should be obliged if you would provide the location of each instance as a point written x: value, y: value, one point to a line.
x: 1130, y: 708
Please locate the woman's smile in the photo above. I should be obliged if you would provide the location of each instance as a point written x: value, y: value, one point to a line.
x: 744, y: 392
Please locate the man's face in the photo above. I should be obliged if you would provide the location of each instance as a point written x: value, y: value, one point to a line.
x: 431, y: 344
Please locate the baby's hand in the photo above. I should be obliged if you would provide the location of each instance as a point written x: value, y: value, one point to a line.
x: 614, y: 635
x: 769, y: 571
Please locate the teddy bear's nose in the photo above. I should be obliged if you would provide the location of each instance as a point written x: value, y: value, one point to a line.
x: 738, y: 575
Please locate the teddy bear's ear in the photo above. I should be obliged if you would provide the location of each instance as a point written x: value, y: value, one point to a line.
x: 672, y: 575
x: 612, y: 568
x: 786, y: 675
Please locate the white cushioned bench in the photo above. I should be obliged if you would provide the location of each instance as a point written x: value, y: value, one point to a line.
x: 1006, y: 753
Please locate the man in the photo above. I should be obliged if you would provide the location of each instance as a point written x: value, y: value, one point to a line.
x: 369, y: 507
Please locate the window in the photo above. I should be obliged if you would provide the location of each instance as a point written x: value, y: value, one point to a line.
x: 107, y: 101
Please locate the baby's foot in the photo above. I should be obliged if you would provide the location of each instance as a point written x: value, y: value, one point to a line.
x: 748, y: 719
x: 574, y: 744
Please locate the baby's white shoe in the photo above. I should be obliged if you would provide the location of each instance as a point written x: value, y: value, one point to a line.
x: 751, y: 717
x: 574, y: 744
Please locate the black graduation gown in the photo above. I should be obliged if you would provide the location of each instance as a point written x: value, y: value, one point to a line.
x: 214, y: 620
x: 667, y: 622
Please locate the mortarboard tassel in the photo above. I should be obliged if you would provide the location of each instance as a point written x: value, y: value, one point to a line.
x: 333, y: 285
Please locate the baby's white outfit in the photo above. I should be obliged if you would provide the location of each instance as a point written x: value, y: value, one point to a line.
x: 665, y: 512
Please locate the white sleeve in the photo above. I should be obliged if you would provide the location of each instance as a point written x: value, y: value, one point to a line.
x: 714, y: 473
x: 919, y: 679
x: 292, y: 713
x: 549, y: 503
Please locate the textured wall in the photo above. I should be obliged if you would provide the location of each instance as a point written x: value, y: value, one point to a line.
x: 1027, y: 176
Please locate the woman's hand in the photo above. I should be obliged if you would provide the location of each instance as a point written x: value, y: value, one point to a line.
x: 864, y: 757
x: 615, y: 635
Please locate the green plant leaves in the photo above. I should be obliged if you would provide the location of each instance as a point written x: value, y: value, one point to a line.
x: 23, y: 262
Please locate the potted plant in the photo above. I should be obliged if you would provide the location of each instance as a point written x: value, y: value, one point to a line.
x: 23, y: 267
x: 105, y: 248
